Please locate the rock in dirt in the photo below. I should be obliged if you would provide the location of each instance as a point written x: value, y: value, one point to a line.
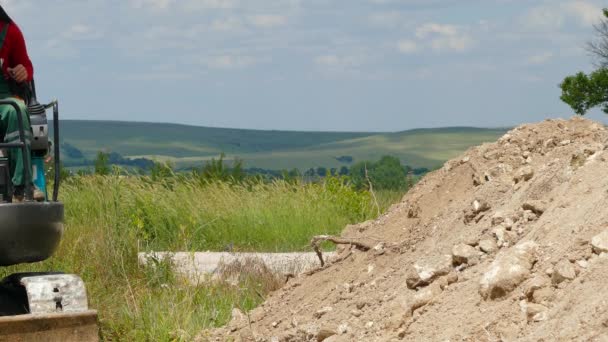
x: 465, y: 254
x: 600, y: 242
x: 564, y: 270
x: 497, y: 218
x: 508, y: 271
x: 536, y: 312
x: 504, y: 238
x: 426, y: 270
x: 537, y: 207
x: 423, y: 297
x: 480, y: 206
x: 488, y: 246
x: 325, y: 333
x: 524, y: 174
x: 536, y: 283
x: 322, y: 312
x: 543, y: 295
x: 452, y: 278
x: 508, y: 224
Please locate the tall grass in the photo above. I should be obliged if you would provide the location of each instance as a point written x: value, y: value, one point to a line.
x: 109, y: 219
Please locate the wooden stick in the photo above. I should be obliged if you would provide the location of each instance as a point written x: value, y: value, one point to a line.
x: 316, y: 241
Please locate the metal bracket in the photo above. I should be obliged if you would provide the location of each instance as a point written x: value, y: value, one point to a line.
x: 55, y: 293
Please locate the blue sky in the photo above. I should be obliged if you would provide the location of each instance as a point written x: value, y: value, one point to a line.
x: 364, y: 65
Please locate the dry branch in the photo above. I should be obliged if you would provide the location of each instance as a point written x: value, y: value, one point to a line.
x: 316, y: 241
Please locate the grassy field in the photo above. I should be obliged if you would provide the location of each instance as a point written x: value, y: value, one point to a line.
x: 109, y: 219
x: 188, y: 146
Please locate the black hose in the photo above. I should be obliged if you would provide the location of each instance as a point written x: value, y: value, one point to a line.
x: 56, y: 150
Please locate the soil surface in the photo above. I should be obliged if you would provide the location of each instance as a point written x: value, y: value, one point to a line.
x: 508, y: 242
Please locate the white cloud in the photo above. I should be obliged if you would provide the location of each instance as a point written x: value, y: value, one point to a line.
x: 431, y: 28
x: 540, y: 58
x: 189, y: 5
x: 82, y: 32
x: 442, y: 37
x: 268, y: 20
x: 339, y: 62
x: 229, y: 62
x: 407, y: 46
x: 587, y: 13
x: 386, y: 19
x: 553, y: 16
x: 227, y: 24
x: 151, y: 4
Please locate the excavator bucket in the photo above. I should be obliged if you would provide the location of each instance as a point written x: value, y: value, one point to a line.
x: 29, y: 232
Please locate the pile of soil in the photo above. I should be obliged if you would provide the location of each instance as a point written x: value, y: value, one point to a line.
x: 508, y: 242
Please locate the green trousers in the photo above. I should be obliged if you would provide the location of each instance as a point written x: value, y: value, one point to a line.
x: 9, y: 132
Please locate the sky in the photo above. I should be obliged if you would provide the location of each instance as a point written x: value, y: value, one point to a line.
x: 331, y: 65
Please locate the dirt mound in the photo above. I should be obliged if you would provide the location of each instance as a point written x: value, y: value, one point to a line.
x: 509, y: 242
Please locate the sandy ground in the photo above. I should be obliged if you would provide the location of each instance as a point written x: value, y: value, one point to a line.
x: 508, y: 242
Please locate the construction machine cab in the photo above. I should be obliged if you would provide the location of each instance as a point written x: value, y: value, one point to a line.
x: 49, y: 306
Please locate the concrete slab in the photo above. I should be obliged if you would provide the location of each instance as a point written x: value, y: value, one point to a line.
x: 202, y: 266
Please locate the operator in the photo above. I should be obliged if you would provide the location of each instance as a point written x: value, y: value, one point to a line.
x: 17, y: 70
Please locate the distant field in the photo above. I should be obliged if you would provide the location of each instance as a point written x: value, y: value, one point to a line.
x: 191, y: 145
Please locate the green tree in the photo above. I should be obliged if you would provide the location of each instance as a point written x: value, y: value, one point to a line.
x: 583, y: 92
x: 161, y: 171
x: 216, y: 169
x: 102, y: 165
x: 322, y: 171
x: 385, y: 174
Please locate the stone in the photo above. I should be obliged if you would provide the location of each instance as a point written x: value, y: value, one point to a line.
x: 356, y: 313
x: 471, y: 241
x: 480, y: 206
x: 325, y: 333
x: 530, y: 216
x: 600, y: 242
x: 524, y: 174
x: 497, y: 219
x: 536, y: 312
x: 361, y: 304
x: 442, y: 282
x: 543, y: 295
x: 536, y: 206
x: 504, y: 238
x: 465, y: 254
x: 564, y: 270
x: 452, y: 278
x: 508, y: 271
x: 322, y: 312
x: 237, y: 315
x: 423, y: 297
x: 582, y: 263
x: 488, y: 246
x: 536, y: 283
x: 424, y: 271
x: 508, y: 224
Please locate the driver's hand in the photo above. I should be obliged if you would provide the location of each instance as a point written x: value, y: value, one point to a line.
x: 18, y: 73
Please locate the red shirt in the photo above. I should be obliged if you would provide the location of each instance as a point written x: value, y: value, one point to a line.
x: 14, y: 52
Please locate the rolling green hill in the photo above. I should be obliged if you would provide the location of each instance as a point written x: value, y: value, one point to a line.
x: 191, y: 145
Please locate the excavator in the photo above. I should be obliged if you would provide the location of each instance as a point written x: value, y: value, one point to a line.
x: 50, y: 306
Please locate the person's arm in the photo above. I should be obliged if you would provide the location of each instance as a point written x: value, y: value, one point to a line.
x: 20, y: 68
